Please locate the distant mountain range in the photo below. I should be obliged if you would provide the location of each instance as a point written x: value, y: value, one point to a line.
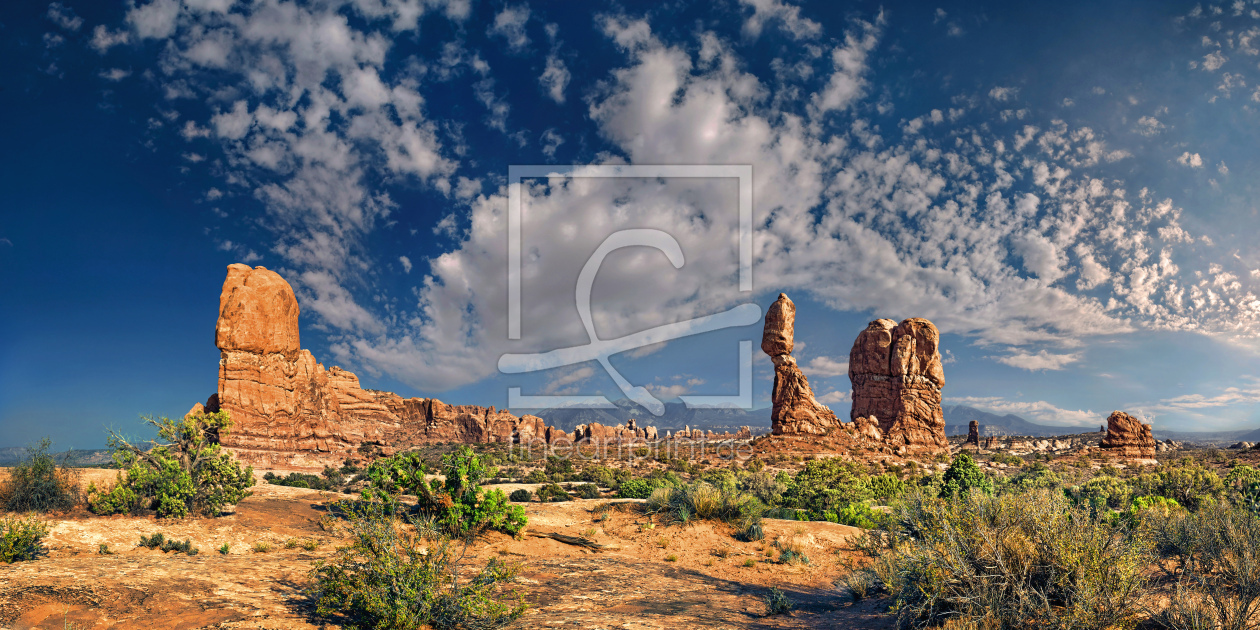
x: 957, y: 418
x: 677, y: 416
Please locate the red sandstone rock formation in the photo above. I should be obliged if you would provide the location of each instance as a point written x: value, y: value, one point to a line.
x: 597, y: 433
x: 288, y: 411
x: 897, y: 377
x: 795, y: 411
x: 973, y: 433
x: 1128, y: 437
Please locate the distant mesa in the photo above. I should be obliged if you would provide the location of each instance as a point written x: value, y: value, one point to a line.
x: 897, y: 378
x: 1127, y: 437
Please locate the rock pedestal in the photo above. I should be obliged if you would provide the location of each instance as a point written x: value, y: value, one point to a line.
x: 1128, y: 437
x: 973, y: 433
x: 795, y: 411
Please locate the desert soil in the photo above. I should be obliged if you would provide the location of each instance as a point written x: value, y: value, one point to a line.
x: 630, y: 585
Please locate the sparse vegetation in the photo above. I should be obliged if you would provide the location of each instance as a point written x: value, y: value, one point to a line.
x: 20, y: 537
x: 225, y: 549
x: 520, y: 495
x: 261, y: 547
x: 38, y: 484
x: 778, y: 603
x: 391, y: 577
x: 551, y: 493
x: 187, y: 474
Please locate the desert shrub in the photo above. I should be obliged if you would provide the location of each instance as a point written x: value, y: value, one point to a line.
x: 700, y: 500
x: 261, y: 546
x: 1010, y: 561
x: 552, y: 493
x: 752, y: 531
x: 299, y: 480
x: 886, y: 487
x: 1104, y: 491
x: 764, y: 486
x: 189, y: 473
x: 636, y: 488
x: 963, y: 476
x: 153, y: 541
x: 225, y: 549
x: 537, y: 476
x: 20, y: 537
x: 390, y: 578
x: 458, y: 503
x: 1036, y: 476
x: 558, y: 468
x: 520, y: 495
x: 588, y: 491
x: 856, y: 515
x: 38, y: 484
x: 827, y: 485
x: 777, y: 603
x: 604, y: 476
x: 1217, y: 550
x: 1185, y: 481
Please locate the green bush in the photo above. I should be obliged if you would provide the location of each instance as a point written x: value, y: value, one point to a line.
x: 828, y: 485
x: 558, y: 468
x: 886, y: 487
x: 699, y: 500
x: 38, y: 484
x: 160, y: 541
x: 777, y: 603
x: 20, y: 537
x: 963, y: 476
x: 520, y: 495
x: 1036, y: 476
x: 1104, y: 491
x: 604, y: 476
x: 636, y: 489
x: 390, y: 578
x: 190, y: 473
x: 588, y: 491
x: 459, y: 504
x: 1185, y: 481
x: 552, y: 493
x: 763, y: 485
x: 1019, y: 560
x: 537, y: 476
x: 304, y: 480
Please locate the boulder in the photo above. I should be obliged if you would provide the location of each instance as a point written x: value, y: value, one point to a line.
x: 289, y: 411
x: 1127, y: 437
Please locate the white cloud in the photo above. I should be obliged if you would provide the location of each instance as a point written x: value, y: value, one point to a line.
x: 835, y: 397
x: 550, y: 141
x: 555, y: 78
x: 103, y: 38
x: 788, y: 17
x: 564, y: 382
x: 1149, y: 126
x: 406, y: 263
x: 510, y: 25
x: 64, y: 17
x: 826, y: 367
x: 1003, y: 94
x: 1190, y: 159
x: 114, y: 74
x: 1222, y: 169
x: 1213, y: 61
x: 848, y: 81
x: 1041, y: 360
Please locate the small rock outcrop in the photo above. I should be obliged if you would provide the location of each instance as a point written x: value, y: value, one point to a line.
x: 795, y: 411
x: 289, y: 411
x: 1128, y: 437
x: 973, y: 433
x: 897, y: 377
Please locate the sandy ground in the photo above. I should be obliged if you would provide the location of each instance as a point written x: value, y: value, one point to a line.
x: 652, y: 576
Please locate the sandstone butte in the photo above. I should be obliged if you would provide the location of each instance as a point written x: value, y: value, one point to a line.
x: 897, y: 379
x: 1128, y: 437
x: 290, y: 412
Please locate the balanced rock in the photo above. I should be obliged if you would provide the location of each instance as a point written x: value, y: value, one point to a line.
x: 973, y: 433
x: 1128, y: 437
x: 794, y: 411
x: 897, y: 377
x: 289, y: 411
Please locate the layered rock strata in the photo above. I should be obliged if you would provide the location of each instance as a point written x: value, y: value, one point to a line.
x: 1128, y: 437
x: 794, y: 411
x: 289, y: 411
x: 897, y: 377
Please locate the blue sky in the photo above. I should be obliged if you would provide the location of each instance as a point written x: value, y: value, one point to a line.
x: 1069, y: 191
